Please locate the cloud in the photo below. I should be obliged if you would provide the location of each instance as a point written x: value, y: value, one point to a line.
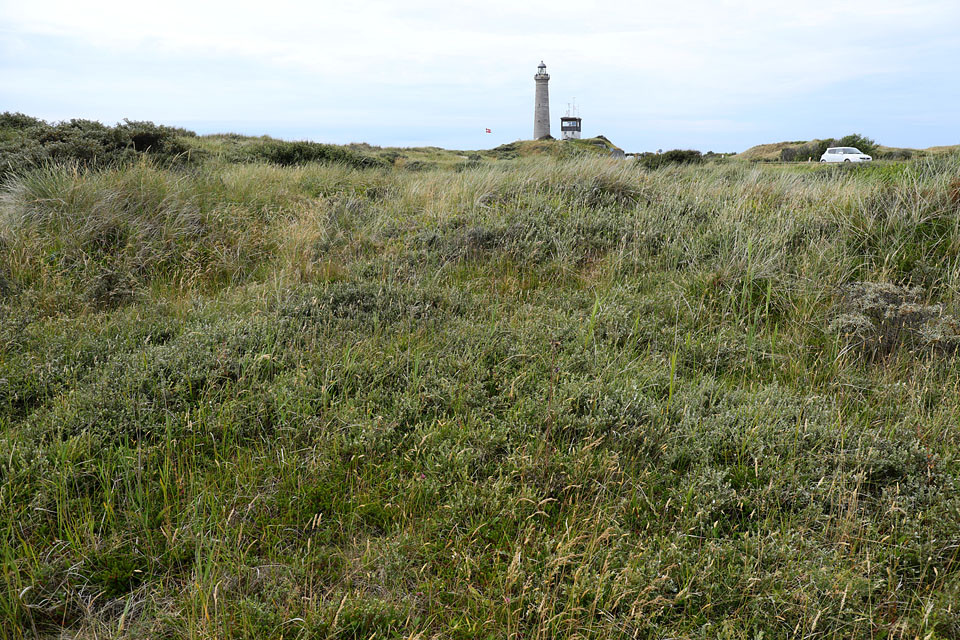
x: 703, y: 61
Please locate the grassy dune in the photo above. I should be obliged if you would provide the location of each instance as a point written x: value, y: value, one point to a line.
x: 533, y: 398
x: 771, y: 152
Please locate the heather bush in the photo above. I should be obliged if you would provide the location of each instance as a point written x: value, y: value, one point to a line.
x: 286, y: 153
x: 27, y: 143
x: 18, y: 122
x: 897, y: 154
x: 674, y: 156
x: 879, y: 318
x: 804, y: 152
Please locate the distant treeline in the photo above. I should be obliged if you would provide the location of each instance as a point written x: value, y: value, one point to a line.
x: 27, y: 142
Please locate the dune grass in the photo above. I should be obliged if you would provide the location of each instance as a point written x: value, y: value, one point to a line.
x: 536, y: 398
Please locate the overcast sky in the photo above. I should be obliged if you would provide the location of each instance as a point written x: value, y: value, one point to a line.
x: 710, y: 75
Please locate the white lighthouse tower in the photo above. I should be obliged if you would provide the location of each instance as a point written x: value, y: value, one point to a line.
x: 541, y: 106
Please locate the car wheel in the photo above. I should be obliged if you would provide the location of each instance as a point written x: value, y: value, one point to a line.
x: 847, y: 160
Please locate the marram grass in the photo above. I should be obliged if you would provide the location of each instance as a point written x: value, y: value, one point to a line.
x: 528, y: 399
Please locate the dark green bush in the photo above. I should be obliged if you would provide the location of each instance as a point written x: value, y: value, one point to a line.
x: 419, y: 165
x: 390, y: 157
x: 27, y: 143
x: 472, y: 162
x: 897, y: 154
x: 18, y: 121
x: 712, y: 156
x: 801, y: 153
x: 506, y: 151
x: 816, y: 148
x: 674, y: 156
x: 146, y: 136
x: 865, y: 144
x: 286, y: 153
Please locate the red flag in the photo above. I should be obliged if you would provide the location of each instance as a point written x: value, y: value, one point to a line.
x: 488, y: 131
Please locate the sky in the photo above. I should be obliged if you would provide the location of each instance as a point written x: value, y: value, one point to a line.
x: 719, y: 75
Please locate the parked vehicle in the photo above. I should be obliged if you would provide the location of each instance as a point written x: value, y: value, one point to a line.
x: 844, y: 154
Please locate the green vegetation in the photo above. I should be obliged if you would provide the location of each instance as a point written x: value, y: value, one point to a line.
x: 803, y: 151
x: 599, y: 146
x: 813, y: 150
x: 674, y: 156
x: 27, y: 142
x: 537, y: 397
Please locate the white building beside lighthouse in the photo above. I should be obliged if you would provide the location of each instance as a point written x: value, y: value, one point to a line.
x: 571, y: 123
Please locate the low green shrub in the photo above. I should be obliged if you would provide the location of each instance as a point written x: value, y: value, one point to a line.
x: 879, y: 318
x: 27, y: 143
x: 897, y: 154
x: 285, y: 153
x: 674, y: 156
x: 814, y: 149
x: 18, y: 121
x: 804, y: 152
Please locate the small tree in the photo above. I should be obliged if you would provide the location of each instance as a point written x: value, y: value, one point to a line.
x: 863, y: 143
